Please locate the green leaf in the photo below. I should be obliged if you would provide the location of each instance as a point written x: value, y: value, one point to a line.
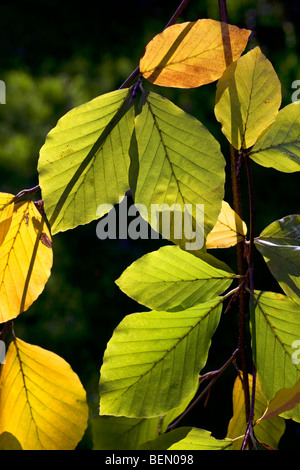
x: 188, y: 438
x: 275, y: 325
x: 285, y: 399
x: 279, y: 146
x: 267, y: 432
x: 121, y: 433
x: 85, y: 159
x: 153, y: 360
x: 279, y: 244
x: 172, y: 278
x: 248, y: 98
x: 177, y: 162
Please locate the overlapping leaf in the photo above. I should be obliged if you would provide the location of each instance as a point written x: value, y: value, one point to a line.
x: 42, y: 402
x: 121, y: 433
x: 229, y: 230
x: 267, y: 432
x: 275, y: 325
x: 279, y: 244
x: 285, y: 399
x: 84, y: 161
x: 248, y: 98
x: 172, y: 278
x: 25, y: 260
x: 187, y: 438
x: 191, y: 54
x: 153, y: 360
x: 279, y: 146
x: 178, y: 163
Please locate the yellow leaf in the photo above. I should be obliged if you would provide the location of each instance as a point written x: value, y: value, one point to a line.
x: 42, y: 401
x: 191, y: 54
x: 228, y: 231
x: 6, y: 211
x: 25, y: 260
x: 248, y: 98
x: 284, y: 400
x: 266, y: 432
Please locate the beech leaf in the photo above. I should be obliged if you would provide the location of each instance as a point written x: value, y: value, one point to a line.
x: 42, y: 401
x: 25, y: 261
x: 275, y: 326
x: 279, y: 146
x: 285, y: 399
x: 191, y: 54
x: 172, y: 278
x: 188, y: 438
x: 84, y: 161
x: 279, y: 244
x: 153, y: 360
x: 248, y: 98
x: 177, y: 163
x: 228, y: 231
x: 267, y: 432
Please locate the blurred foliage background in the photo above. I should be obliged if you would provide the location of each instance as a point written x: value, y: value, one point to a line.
x: 57, y: 55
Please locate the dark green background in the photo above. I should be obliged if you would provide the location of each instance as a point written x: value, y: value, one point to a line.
x: 57, y: 55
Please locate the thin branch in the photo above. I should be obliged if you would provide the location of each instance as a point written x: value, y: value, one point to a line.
x: 237, y: 205
x: 223, y: 11
x: 214, y: 375
x: 26, y: 192
x: 251, y: 220
x: 6, y: 327
x: 176, y: 15
x: 249, y: 434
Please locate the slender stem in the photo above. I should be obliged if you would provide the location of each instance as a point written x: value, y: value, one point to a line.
x: 251, y: 220
x: 248, y: 439
x: 215, y: 375
x: 223, y: 11
x: 177, y: 13
x: 6, y: 327
x: 136, y: 72
x: 237, y: 205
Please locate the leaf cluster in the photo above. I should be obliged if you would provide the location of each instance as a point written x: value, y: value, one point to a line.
x: 135, y: 139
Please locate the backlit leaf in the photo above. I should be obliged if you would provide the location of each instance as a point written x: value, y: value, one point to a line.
x: 191, y: 54
x: 25, y: 262
x: 178, y: 163
x: 153, y: 360
x: 248, y: 98
x: 121, y: 433
x: 228, y: 231
x: 42, y: 402
x: 84, y: 161
x: 187, y: 438
x: 172, y: 278
x: 275, y: 326
x: 284, y: 400
x: 279, y: 244
x: 267, y: 432
x: 279, y: 146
